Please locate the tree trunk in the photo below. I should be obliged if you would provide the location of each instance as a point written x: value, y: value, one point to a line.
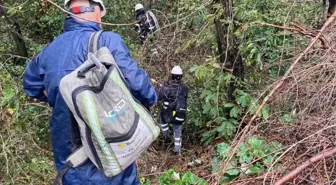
x: 15, y: 31
x: 227, y: 46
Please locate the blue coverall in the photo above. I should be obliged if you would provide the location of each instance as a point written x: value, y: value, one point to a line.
x: 68, y: 51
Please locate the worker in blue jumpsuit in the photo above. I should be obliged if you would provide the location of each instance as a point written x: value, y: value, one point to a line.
x: 67, y: 52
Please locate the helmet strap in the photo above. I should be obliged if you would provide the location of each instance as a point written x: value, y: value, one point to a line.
x: 83, y: 9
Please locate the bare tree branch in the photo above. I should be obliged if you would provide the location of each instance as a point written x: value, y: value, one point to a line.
x: 306, y: 164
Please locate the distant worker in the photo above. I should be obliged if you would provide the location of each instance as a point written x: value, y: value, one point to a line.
x: 174, y: 96
x: 147, y: 23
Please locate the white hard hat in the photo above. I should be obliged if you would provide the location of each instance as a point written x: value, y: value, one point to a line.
x: 177, y: 70
x: 138, y: 7
x: 66, y: 5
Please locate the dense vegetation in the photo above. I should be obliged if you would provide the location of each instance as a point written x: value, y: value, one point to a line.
x: 233, y: 52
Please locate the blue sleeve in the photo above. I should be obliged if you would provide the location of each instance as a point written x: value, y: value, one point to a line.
x: 137, y: 78
x: 33, y: 81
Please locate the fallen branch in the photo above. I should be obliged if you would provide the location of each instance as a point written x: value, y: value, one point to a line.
x: 299, y: 29
x: 153, y: 174
x: 291, y: 175
x: 277, y: 86
x: 267, y: 175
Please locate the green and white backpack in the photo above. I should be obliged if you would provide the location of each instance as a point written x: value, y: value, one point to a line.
x: 114, y: 127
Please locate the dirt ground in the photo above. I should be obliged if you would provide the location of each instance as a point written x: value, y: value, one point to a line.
x: 159, y: 159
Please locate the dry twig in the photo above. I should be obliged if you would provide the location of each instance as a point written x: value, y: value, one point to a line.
x: 299, y: 29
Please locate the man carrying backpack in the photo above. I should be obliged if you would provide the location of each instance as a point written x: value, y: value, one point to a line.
x: 174, y: 95
x: 147, y: 23
x: 66, y: 53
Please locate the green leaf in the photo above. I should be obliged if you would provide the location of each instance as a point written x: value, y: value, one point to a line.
x: 247, y: 158
x: 235, y: 112
x: 254, y: 107
x: 190, y: 178
x: 242, y: 150
x: 223, y: 149
x: 233, y: 171
x: 227, y: 129
x: 193, y: 69
x: 233, y: 121
x: 175, y: 176
x: 211, y: 96
x: 244, y: 100
x: 244, y: 154
x: 213, y: 112
x: 206, y: 108
x: 219, y: 120
x: 276, y: 144
x: 34, y: 160
x: 255, y: 144
x: 268, y: 160
x: 8, y: 94
x: 226, y: 178
x: 265, y: 112
x: 229, y: 105
x: 208, y: 137
x: 253, y: 170
x: 187, y: 177
x: 216, y: 165
x: 287, y: 118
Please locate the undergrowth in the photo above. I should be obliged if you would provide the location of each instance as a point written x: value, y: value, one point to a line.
x: 189, y: 40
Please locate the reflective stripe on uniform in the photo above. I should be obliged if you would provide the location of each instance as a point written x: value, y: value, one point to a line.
x: 164, y: 125
x: 165, y: 129
x: 177, y: 139
x: 179, y: 119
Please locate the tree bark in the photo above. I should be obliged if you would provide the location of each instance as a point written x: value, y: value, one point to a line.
x: 15, y: 31
x: 227, y: 46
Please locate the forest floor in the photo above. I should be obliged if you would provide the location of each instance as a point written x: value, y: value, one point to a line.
x: 308, y: 95
x: 158, y: 159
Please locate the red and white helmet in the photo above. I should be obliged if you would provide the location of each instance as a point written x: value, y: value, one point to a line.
x: 103, y: 13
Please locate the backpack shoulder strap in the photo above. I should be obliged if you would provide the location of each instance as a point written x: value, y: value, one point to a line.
x: 93, y: 48
x: 76, y: 159
x: 94, y: 42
